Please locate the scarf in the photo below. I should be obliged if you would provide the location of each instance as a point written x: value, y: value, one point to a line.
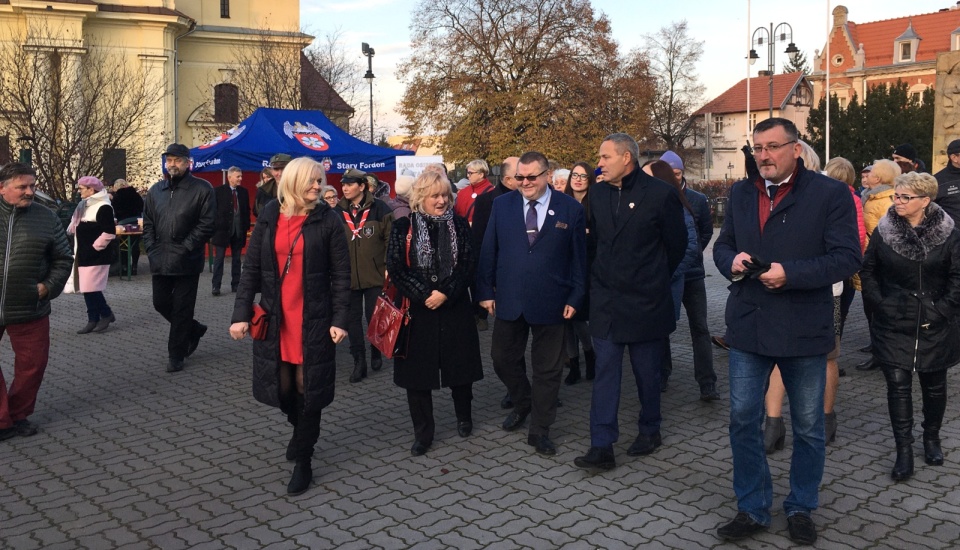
x: 865, y: 194
x: 444, y: 255
x: 98, y: 198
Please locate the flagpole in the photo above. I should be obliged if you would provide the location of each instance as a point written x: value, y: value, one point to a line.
x: 826, y: 64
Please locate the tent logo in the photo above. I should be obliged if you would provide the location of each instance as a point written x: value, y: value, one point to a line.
x: 309, y: 135
x: 226, y: 136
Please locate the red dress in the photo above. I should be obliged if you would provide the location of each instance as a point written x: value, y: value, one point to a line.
x: 291, y: 293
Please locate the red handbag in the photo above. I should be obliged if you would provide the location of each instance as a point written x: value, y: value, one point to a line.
x: 258, y: 325
x: 386, y: 330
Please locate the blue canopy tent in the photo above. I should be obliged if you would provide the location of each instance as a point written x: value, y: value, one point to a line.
x: 266, y: 132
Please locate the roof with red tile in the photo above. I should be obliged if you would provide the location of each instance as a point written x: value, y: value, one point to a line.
x: 316, y: 92
x: 734, y: 100
x: 878, y: 37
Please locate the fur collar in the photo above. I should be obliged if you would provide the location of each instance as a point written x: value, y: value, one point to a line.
x: 914, y: 243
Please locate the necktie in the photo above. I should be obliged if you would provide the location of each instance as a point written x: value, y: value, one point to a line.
x: 532, y: 221
x: 236, y: 205
x: 772, y: 191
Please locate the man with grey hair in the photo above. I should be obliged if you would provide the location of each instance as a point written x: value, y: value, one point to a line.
x: 233, y: 221
x: 636, y: 222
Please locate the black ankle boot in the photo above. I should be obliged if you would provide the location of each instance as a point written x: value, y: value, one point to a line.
x: 376, y: 361
x: 774, y: 434
x: 574, y: 376
x: 903, y: 467
x: 932, y: 453
x: 590, y: 360
x: 359, y: 367
x: 301, y: 478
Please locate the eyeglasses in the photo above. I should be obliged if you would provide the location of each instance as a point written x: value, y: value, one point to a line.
x: 469, y: 173
x: 530, y: 178
x: 904, y: 198
x: 771, y: 148
x: 576, y: 176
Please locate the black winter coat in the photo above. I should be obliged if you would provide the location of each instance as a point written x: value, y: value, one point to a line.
x: 326, y: 291
x: 444, y: 347
x: 33, y: 249
x: 948, y: 194
x: 178, y: 220
x: 89, y: 232
x: 224, y: 226
x: 127, y: 204
x: 911, y: 278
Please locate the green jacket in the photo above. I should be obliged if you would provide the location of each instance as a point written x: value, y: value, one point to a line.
x: 368, y: 248
x: 33, y: 249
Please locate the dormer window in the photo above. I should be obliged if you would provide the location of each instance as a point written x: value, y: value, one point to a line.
x: 955, y: 40
x: 905, y: 46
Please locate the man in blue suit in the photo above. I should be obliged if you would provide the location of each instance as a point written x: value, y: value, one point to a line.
x: 789, y: 234
x: 532, y: 276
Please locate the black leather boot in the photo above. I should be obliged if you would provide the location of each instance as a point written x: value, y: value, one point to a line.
x: 900, y: 404
x: 305, y: 436
x: 574, y: 376
x: 292, y: 408
x: 590, y: 359
x: 376, y: 361
x: 359, y: 367
x: 934, y: 391
x: 302, y: 477
x: 774, y: 434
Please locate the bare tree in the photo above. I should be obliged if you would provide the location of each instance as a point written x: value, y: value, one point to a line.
x: 501, y: 76
x: 672, y: 55
x: 268, y: 71
x: 71, y: 101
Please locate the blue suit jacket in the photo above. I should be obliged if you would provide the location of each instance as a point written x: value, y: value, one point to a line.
x: 535, y: 281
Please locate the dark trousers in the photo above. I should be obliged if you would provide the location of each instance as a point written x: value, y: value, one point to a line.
x: 134, y: 250
x: 175, y: 297
x: 219, y: 256
x: 539, y: 396
x: 361, y: 301
x: 695, y: 303
x: 421, y: 410
x: 646, y: 359
x: 96, y: 306
x: 31, y: 349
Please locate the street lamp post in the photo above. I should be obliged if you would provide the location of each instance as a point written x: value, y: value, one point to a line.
x: 368, y: 51
x: 784, y: 33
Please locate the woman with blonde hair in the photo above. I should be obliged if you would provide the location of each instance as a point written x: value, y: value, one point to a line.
x: 876, y: 196
x: 911, y: 279
x: 431, y: 259
x: 297, y: 260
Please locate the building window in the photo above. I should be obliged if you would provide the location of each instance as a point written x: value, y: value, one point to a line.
x: 904, y: 51
x: 225, y: 9
x: 843, y: 102
x: 718, y: 125
x: 753, y: 121
x: 226, y: 101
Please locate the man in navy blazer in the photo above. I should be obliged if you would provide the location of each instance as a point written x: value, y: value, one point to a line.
x: 789, y: 234
x: 532, y: 277
x: 637, y: 223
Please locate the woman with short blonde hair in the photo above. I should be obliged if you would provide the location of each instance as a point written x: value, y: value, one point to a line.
x: 298, y: 262
x: 423, y: 186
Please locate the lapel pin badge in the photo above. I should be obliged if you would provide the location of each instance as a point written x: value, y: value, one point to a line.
x: 550, y: 212
x: 631, y: 206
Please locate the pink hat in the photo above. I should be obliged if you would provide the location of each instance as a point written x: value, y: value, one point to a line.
x: 92, y: 182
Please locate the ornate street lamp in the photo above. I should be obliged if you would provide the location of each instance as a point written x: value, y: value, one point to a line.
x: 368, y: 51
x: 782, y: 33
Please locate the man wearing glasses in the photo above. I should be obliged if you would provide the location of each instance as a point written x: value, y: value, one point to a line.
x: 532, y: 277
x: 788, y: 236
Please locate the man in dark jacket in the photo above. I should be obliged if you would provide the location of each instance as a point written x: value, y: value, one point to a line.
x: 127, y: 208
x: 948, y: 179
x: 233, y: 221
x: 695, y: 294
x: 179, y: 215
x: 637, y: 224
x: 367, y: 223
x: 36, y: 259
x: 787, y: 237
x: 268, y: 190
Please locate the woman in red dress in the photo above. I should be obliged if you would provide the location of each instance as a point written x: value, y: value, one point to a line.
x: 298, y: 262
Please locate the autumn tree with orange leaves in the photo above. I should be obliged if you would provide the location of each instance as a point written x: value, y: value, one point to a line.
x: 499, y: 77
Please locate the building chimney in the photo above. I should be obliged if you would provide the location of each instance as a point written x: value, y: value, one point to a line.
x: 840, y: 16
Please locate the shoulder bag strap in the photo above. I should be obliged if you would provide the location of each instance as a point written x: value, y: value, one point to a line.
x: 293, y: 245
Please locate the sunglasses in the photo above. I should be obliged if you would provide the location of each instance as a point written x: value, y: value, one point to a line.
x: 532, y: 178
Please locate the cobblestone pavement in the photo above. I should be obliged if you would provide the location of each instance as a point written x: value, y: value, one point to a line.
x: 132, y: 457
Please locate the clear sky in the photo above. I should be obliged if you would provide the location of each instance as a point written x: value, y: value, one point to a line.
x: 720, y: 24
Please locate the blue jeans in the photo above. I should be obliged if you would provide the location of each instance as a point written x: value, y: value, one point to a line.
x: 804, y: 379
x: 645, y: 358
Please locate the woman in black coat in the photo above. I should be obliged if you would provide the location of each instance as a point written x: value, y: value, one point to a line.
x: 297, y: 246
x: 434, y: 273
x: 93, y: 229
x: 911, y: 280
